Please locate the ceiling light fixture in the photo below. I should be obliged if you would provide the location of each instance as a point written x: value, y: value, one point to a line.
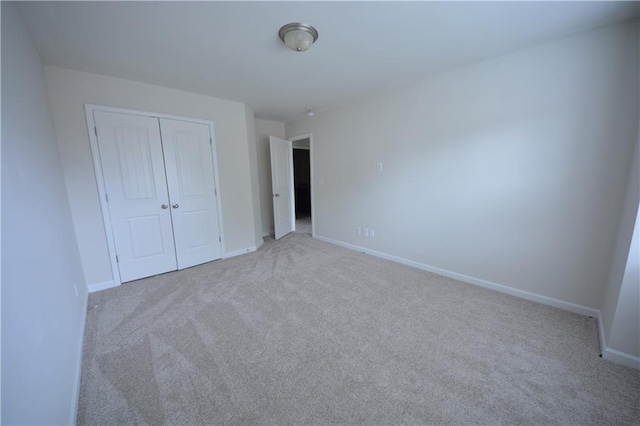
x: 298, y: 37
x: 310, y: 112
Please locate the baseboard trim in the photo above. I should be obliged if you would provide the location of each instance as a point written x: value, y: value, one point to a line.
x: 76, y: 383
x: 556, y: 303
x: 614, y: 355
x: 267, y: 233
x: 110, y: 284
x: 101, y: 286
x: 235, y: 253
x: 606, y: 352
x: 621, y: 358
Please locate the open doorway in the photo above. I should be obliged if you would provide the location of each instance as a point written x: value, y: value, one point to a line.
x: 302, y: 184
x: 287, y: 188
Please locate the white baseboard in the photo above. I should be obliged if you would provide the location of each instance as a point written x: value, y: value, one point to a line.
x: 621, y: 358
x: 110, y: 284
x: 268, y: 233
x: 607, y: 353
x: 556, y: 303
x: 235, y: 253
x: 76, y: 382
x: 614, y: 355
x: 101, y: 286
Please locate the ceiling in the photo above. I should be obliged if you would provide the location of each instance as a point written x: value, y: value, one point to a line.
x: 231, y: 50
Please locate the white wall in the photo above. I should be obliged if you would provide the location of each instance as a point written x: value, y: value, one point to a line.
x: 42, y: 316
x: 69, y: 90
x: 264, y: 129
x: 511, y: 170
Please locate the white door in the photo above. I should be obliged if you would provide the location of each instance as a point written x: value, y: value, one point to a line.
x: 133, y: 169
x: 282, y: 185
x: 192, y: 191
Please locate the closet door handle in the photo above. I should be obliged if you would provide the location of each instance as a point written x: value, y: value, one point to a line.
x: 164, y: 206
x: 175, y: 205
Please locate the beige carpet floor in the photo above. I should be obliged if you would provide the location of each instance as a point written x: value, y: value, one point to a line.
x: 303, y: 332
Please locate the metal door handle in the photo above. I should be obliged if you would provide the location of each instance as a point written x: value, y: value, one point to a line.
x: 164, y: 206
x: 276, y: 195
x: 175, y: 205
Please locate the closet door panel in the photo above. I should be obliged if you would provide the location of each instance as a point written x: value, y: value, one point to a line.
x: 191, y: 182
x: 134, y: 174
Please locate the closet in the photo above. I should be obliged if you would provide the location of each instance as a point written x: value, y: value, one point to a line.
x: 160, y: 192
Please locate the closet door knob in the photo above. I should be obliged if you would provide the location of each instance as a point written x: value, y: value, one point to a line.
x: 175, y: 205
x: 164, y: 206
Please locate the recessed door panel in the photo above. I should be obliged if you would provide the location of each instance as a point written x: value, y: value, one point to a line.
x: 133, y: 169
x: 192, y: 191
x: 136, y: 163
x: 191, y: 165
x: 198, y: 224
x: 145, y: 235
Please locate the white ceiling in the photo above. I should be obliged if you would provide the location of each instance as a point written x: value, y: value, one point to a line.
x: 231, y: 50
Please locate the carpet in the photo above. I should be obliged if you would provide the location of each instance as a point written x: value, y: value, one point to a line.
x: 304, y: 332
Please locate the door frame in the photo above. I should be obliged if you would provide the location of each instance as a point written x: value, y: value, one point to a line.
x: 313, y: 212
x: 102, y: 193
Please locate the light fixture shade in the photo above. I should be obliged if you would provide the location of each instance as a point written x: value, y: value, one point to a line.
x: 298, y: 40
x: 298, y: 37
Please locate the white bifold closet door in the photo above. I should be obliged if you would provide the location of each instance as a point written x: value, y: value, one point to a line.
x: 190, y: 177
x: 161, y: 193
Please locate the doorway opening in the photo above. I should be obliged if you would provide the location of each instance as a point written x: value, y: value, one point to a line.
x: 302, y: 184
x: 292, y: 186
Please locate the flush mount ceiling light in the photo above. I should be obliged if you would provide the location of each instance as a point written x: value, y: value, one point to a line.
x: 298, y: 37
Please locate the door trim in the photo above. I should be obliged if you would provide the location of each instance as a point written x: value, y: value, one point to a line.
x: 313, y: 212
x: 97, y: 165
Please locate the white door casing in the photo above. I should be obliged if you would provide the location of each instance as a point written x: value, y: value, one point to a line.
x: 136, y: 189
x: 282, y: 186
x: 192, y: 191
